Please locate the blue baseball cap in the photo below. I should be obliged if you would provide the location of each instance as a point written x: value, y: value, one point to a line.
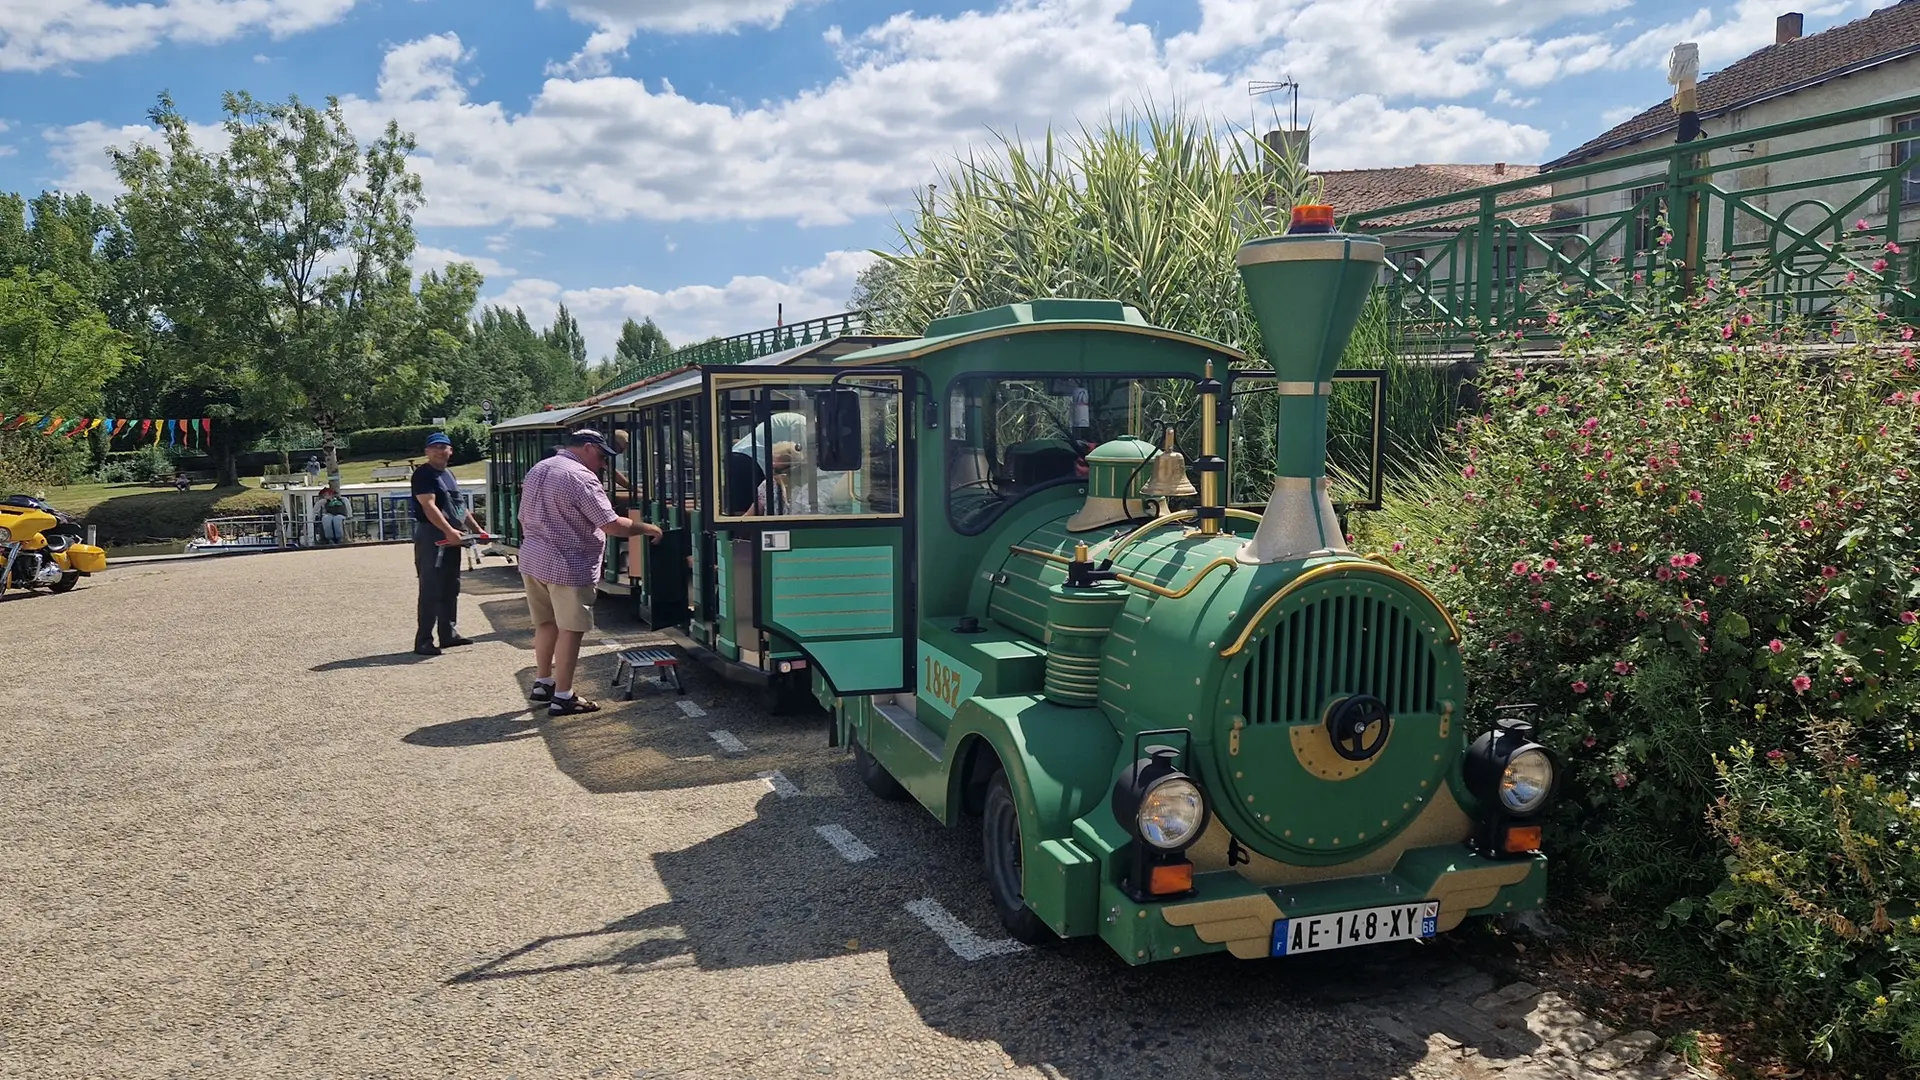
x: 439, y: 438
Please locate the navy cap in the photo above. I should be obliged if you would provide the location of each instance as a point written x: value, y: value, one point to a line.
x: 439, y: 438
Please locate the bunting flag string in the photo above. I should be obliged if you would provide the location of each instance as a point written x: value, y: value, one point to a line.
x: 179, y: 431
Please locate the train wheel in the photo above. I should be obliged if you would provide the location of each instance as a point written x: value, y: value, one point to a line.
x: 875, y: 775
x: 1000, y: 850
x: 786, y: 695
x: 66, y: 583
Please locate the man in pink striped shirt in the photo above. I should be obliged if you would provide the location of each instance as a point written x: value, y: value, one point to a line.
x: 565, y: 517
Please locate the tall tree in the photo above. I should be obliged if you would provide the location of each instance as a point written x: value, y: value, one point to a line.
x: 56, y: 349
x: 187, y: 289
x: 640, y: 344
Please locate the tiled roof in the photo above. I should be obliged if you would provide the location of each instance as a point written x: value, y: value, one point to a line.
x: 1887, y: 34
x: 1362, y: 191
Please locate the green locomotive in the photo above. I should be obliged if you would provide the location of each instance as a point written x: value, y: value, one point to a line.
x: 1183, y: 730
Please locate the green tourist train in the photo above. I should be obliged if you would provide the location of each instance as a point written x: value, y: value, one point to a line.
x: 1187, y: 716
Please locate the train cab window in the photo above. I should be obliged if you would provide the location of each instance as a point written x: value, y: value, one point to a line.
x: 807, y: 448
x: 1010, y: 437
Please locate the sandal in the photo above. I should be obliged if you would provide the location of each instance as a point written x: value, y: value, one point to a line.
x: 574, y: 704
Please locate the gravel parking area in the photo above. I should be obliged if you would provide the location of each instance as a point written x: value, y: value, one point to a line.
x: 249, y: 834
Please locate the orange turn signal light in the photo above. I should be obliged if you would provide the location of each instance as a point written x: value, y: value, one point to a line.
x: 1521, y: 838
x: 1177, y: 878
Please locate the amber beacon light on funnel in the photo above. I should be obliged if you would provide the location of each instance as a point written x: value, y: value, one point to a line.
x: 1307, y: 289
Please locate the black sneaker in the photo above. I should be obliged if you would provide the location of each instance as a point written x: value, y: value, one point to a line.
x: 541, y: 692
x: 455, y: 642
x: 427, y: 650
x: 567, y: 706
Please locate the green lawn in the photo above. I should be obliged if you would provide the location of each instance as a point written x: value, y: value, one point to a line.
x: 132, y: 513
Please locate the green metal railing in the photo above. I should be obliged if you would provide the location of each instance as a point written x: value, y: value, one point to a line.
x: 753, y: 344
x: 1461, y: 269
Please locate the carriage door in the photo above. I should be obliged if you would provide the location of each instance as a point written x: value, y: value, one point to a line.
x: 808, y: 491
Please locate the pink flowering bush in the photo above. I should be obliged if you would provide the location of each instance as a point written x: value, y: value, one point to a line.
x: 1693, y: 545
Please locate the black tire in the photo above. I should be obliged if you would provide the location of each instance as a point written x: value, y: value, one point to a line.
x: 786, y: 695
x: 875, y: 775
x: 66, y: 583
x: 1000, y: 853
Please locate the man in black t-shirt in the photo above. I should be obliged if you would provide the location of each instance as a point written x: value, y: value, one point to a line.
x: 436, y: 506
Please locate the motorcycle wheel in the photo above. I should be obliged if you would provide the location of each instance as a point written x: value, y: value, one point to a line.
x: 66, y: 583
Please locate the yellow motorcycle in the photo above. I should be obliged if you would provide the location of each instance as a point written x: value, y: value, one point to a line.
x: 42, y: 548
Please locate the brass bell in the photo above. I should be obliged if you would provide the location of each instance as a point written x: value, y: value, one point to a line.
x: 1169, y: 474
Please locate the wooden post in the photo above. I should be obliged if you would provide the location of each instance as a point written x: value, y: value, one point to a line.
x: 1683, y: 72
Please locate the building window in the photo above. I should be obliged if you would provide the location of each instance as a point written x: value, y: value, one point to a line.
x: 1906, y: 152
x: 1645, y: 203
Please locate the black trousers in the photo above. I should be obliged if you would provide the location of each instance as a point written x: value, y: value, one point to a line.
x: 439, y: 571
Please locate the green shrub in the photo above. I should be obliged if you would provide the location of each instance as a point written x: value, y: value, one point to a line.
x: 136, y: 466
x: 31, y: 462
x: 1689, y: 540
x: 172, y: 515
x: 470, y: 441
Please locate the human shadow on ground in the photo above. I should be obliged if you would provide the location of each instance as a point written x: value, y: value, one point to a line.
x: 480, y: 730
x: 772, y: 893
x: 396, y: 659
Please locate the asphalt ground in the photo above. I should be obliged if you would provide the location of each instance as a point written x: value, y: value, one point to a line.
x: 248, y: 833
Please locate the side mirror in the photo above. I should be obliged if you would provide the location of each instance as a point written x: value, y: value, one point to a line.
x: 836, y: 415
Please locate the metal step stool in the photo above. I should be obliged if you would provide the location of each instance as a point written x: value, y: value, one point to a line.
x: 632, y: 660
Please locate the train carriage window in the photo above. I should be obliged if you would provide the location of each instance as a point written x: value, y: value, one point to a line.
x: 1010, y: 437
x: 774, y: 442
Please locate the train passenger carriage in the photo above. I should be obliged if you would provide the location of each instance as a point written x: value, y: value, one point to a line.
x: 1186, y: 726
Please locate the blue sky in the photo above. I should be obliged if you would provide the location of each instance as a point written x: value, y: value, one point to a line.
x: 701, y: 161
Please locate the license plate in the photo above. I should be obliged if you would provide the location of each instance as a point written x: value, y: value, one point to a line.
x: 1368, y: 926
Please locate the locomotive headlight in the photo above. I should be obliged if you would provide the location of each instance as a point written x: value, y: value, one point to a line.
x: 1527, y: 781
x: 1171, y: 813
x: 1158, y: 804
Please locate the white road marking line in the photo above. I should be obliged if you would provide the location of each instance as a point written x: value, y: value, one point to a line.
x: 965, y: 944
x: 779, y: 783
x: 727, y: 742
x: 693, y: 711
x: 844, y: 842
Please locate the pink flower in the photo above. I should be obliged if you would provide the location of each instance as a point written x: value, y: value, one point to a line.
x: 1397, y: 545
x: 1587, y: 540
x: 1726, y: 332
x: 1579, y: 686
x: 1546, y: 605
x: 1754, y: 419
x: 1614, y: 547
x: 1621, y: 667
x: 1719, y: 580
x: 1663, y: 574
x: 1540, y: 410
x: 1588, y: 741
x: 1677, y: 560
x: 1829, y: 573
x: 1893, y: 248
x: 1741, y: 292
x: 1879, y: 265
x: 1550, y: 566
x: 1621, y: 780
x: 1908, y: 617
x: 1806, y: 523
x: 1520, y: 567
x: 1840, y: 638
x: 1801, y: 684
x: 1666, y: 238
x: 1776, y: 755
x: 1695, y: 498
x: 1860, y: 226
x: 1469, y: 472
x: 1776, y: 645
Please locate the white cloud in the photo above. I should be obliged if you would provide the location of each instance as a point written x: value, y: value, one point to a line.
x: 1748, y: 25
x: 1503, y: 96
x: 36, y: 35
x: 617, y: 20
x: 426, y: 257
x: 81, y: 150
x: 913, y: 93
x: 692, y: 313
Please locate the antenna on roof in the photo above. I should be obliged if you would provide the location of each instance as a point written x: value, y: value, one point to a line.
x: 1260, y: 88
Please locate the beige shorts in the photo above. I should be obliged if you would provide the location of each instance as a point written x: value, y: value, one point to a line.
x: 570, y: 607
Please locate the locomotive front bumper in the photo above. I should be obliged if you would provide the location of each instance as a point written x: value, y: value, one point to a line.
x: 1429, y: 891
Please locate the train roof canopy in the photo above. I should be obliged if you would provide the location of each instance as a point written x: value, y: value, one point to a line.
x: 543, y: 418
x: 1033, y: 315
